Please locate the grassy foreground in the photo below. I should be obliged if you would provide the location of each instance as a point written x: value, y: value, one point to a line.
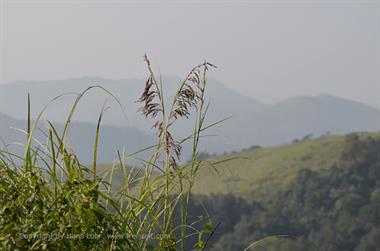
x: 50, y: 201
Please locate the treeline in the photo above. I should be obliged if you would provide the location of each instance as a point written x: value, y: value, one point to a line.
x: 334, y: 210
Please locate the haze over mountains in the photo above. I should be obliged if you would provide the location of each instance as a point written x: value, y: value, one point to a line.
x: 252, y: 122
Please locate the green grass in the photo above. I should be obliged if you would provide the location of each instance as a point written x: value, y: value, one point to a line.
x: 256, y: 174
x: 50, y: 201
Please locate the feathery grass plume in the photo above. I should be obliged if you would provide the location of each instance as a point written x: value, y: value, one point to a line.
x: 177, y: 179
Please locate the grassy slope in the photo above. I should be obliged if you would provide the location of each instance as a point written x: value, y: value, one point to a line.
x: 262, y: 172
x: 259, y: 173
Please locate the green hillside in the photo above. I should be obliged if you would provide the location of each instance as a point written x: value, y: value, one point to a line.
x: 323, y: 193
x: 260, y: 172
x: 256, y: 174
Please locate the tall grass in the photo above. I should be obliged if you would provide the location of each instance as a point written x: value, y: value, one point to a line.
x: 52, y: 202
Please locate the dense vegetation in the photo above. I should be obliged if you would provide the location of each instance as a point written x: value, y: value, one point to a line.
x: 330, y: 209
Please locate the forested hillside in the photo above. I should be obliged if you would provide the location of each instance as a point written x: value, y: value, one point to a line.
x: 334, y: 208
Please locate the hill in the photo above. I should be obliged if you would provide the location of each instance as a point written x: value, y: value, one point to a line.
x: 261, y: 172
x: 319, y: 194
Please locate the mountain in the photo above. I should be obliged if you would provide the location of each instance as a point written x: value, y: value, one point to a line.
x: 224, y: 103
x: 252, y: 122
x: 13, y: 99
x: 299, y: 116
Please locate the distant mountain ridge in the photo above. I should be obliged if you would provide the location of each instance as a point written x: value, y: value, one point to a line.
x: 299, y: 116
x: 13, y: 99
x: 252, y: 122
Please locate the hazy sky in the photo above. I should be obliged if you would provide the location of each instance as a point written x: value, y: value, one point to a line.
x: 266, y: 49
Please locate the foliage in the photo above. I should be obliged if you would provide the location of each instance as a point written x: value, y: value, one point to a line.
x: 50, y: 201
x: 337, y: 209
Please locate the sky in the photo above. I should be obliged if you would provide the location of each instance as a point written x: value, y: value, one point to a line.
x: 266, y: 49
